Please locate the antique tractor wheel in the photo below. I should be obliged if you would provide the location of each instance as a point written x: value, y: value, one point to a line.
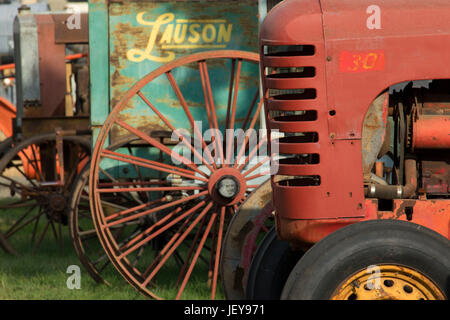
x: 248, y: 226
x: 185, y: 217
x: 374, y: 260
x: 37, y: 174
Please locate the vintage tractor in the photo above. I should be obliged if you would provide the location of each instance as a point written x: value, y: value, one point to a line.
x: 360, y: 91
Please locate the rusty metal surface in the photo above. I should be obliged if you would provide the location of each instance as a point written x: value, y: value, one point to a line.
x: 240, y: 240
x: 374, y: 132
x: 432, y: 214
x: 431, y: 132
x: 146, y: 35
x: 353, y: 66
x: 52, y: 69
x: 37, y: 125
x: 436, y: 177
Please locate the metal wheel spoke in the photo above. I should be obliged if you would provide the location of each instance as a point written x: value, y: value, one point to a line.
x: 218, y: 251
x: 174, y: 130
x: 177, y: 244
x: 174, y: 237
x: 249, y: 132
x: 147, y: 212
x: 197, y: 253
x: 256, y: 176
x: 15, y: 183
x: 36, y: 168
x: 230, y: 93
x: 253, y: 152
x: 38, y: 244
x: 194, y: 126
x: 152, y: 165
x: 163, y: 224
x: 259, y: 164
x: 161, y: 147
x: 12, y: 232
x: 250, y: 111
x: 191, y: 250
x: 24, y: 175
x: 209, y: 102
x: 33, y: 236
x: 229, y: 133
x: 154, y: 189
x: 19, y: 221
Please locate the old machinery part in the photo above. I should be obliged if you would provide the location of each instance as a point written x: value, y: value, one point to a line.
x: 356, y: 266
x: 32, y: 172
x: 407, y: 191
x: 185, y: 224
x: 244, y: 233
x: 271, y: 265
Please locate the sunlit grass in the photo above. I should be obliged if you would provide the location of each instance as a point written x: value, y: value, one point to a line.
x: 43, y: 275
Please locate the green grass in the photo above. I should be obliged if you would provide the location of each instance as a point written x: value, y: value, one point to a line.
x: 43, y: 275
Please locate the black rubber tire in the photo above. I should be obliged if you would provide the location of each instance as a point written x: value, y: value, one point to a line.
x: 271, y: 265
x: 353, y: 248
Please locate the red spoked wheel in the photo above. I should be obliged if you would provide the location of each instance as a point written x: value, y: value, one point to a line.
x: 186, y: 214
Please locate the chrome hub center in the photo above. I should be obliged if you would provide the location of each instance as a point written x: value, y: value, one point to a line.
x: 228, y: 187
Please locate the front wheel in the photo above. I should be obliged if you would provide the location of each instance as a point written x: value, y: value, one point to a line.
x: 374, y: 260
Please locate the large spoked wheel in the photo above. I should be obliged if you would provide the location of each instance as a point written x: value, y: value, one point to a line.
x: 245, y: 231
x: 36, y: 176
x: 374, y: 260
x: 187, y: 211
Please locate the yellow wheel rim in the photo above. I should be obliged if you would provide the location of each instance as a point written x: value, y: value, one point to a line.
x: 388, y: 282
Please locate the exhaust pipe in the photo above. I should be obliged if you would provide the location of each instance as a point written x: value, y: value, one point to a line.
x: 387, y: 192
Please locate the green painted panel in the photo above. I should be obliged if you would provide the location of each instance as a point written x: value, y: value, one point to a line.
x: 146, y: 35
x: 129, y: 39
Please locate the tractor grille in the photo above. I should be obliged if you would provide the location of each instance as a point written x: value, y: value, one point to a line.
x: 295, y: 98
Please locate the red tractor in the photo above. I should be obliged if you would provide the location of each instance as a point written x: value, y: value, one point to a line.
x: 360, y: 91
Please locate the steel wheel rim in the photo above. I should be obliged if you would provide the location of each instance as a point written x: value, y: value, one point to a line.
x: 209, y: 221
x: 393, y: 282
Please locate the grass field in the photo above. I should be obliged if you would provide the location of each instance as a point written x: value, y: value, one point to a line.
x: 44, y: 275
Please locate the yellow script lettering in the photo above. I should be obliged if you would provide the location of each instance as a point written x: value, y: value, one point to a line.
x: 137, y: 55
x: 195, y: 34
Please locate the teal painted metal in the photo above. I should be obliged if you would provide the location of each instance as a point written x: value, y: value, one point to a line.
x: 129, y: 39
x: 140, y: 36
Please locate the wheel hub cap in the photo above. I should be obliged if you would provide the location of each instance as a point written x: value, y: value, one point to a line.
x: 389, y: 282
x: 227, y: 186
